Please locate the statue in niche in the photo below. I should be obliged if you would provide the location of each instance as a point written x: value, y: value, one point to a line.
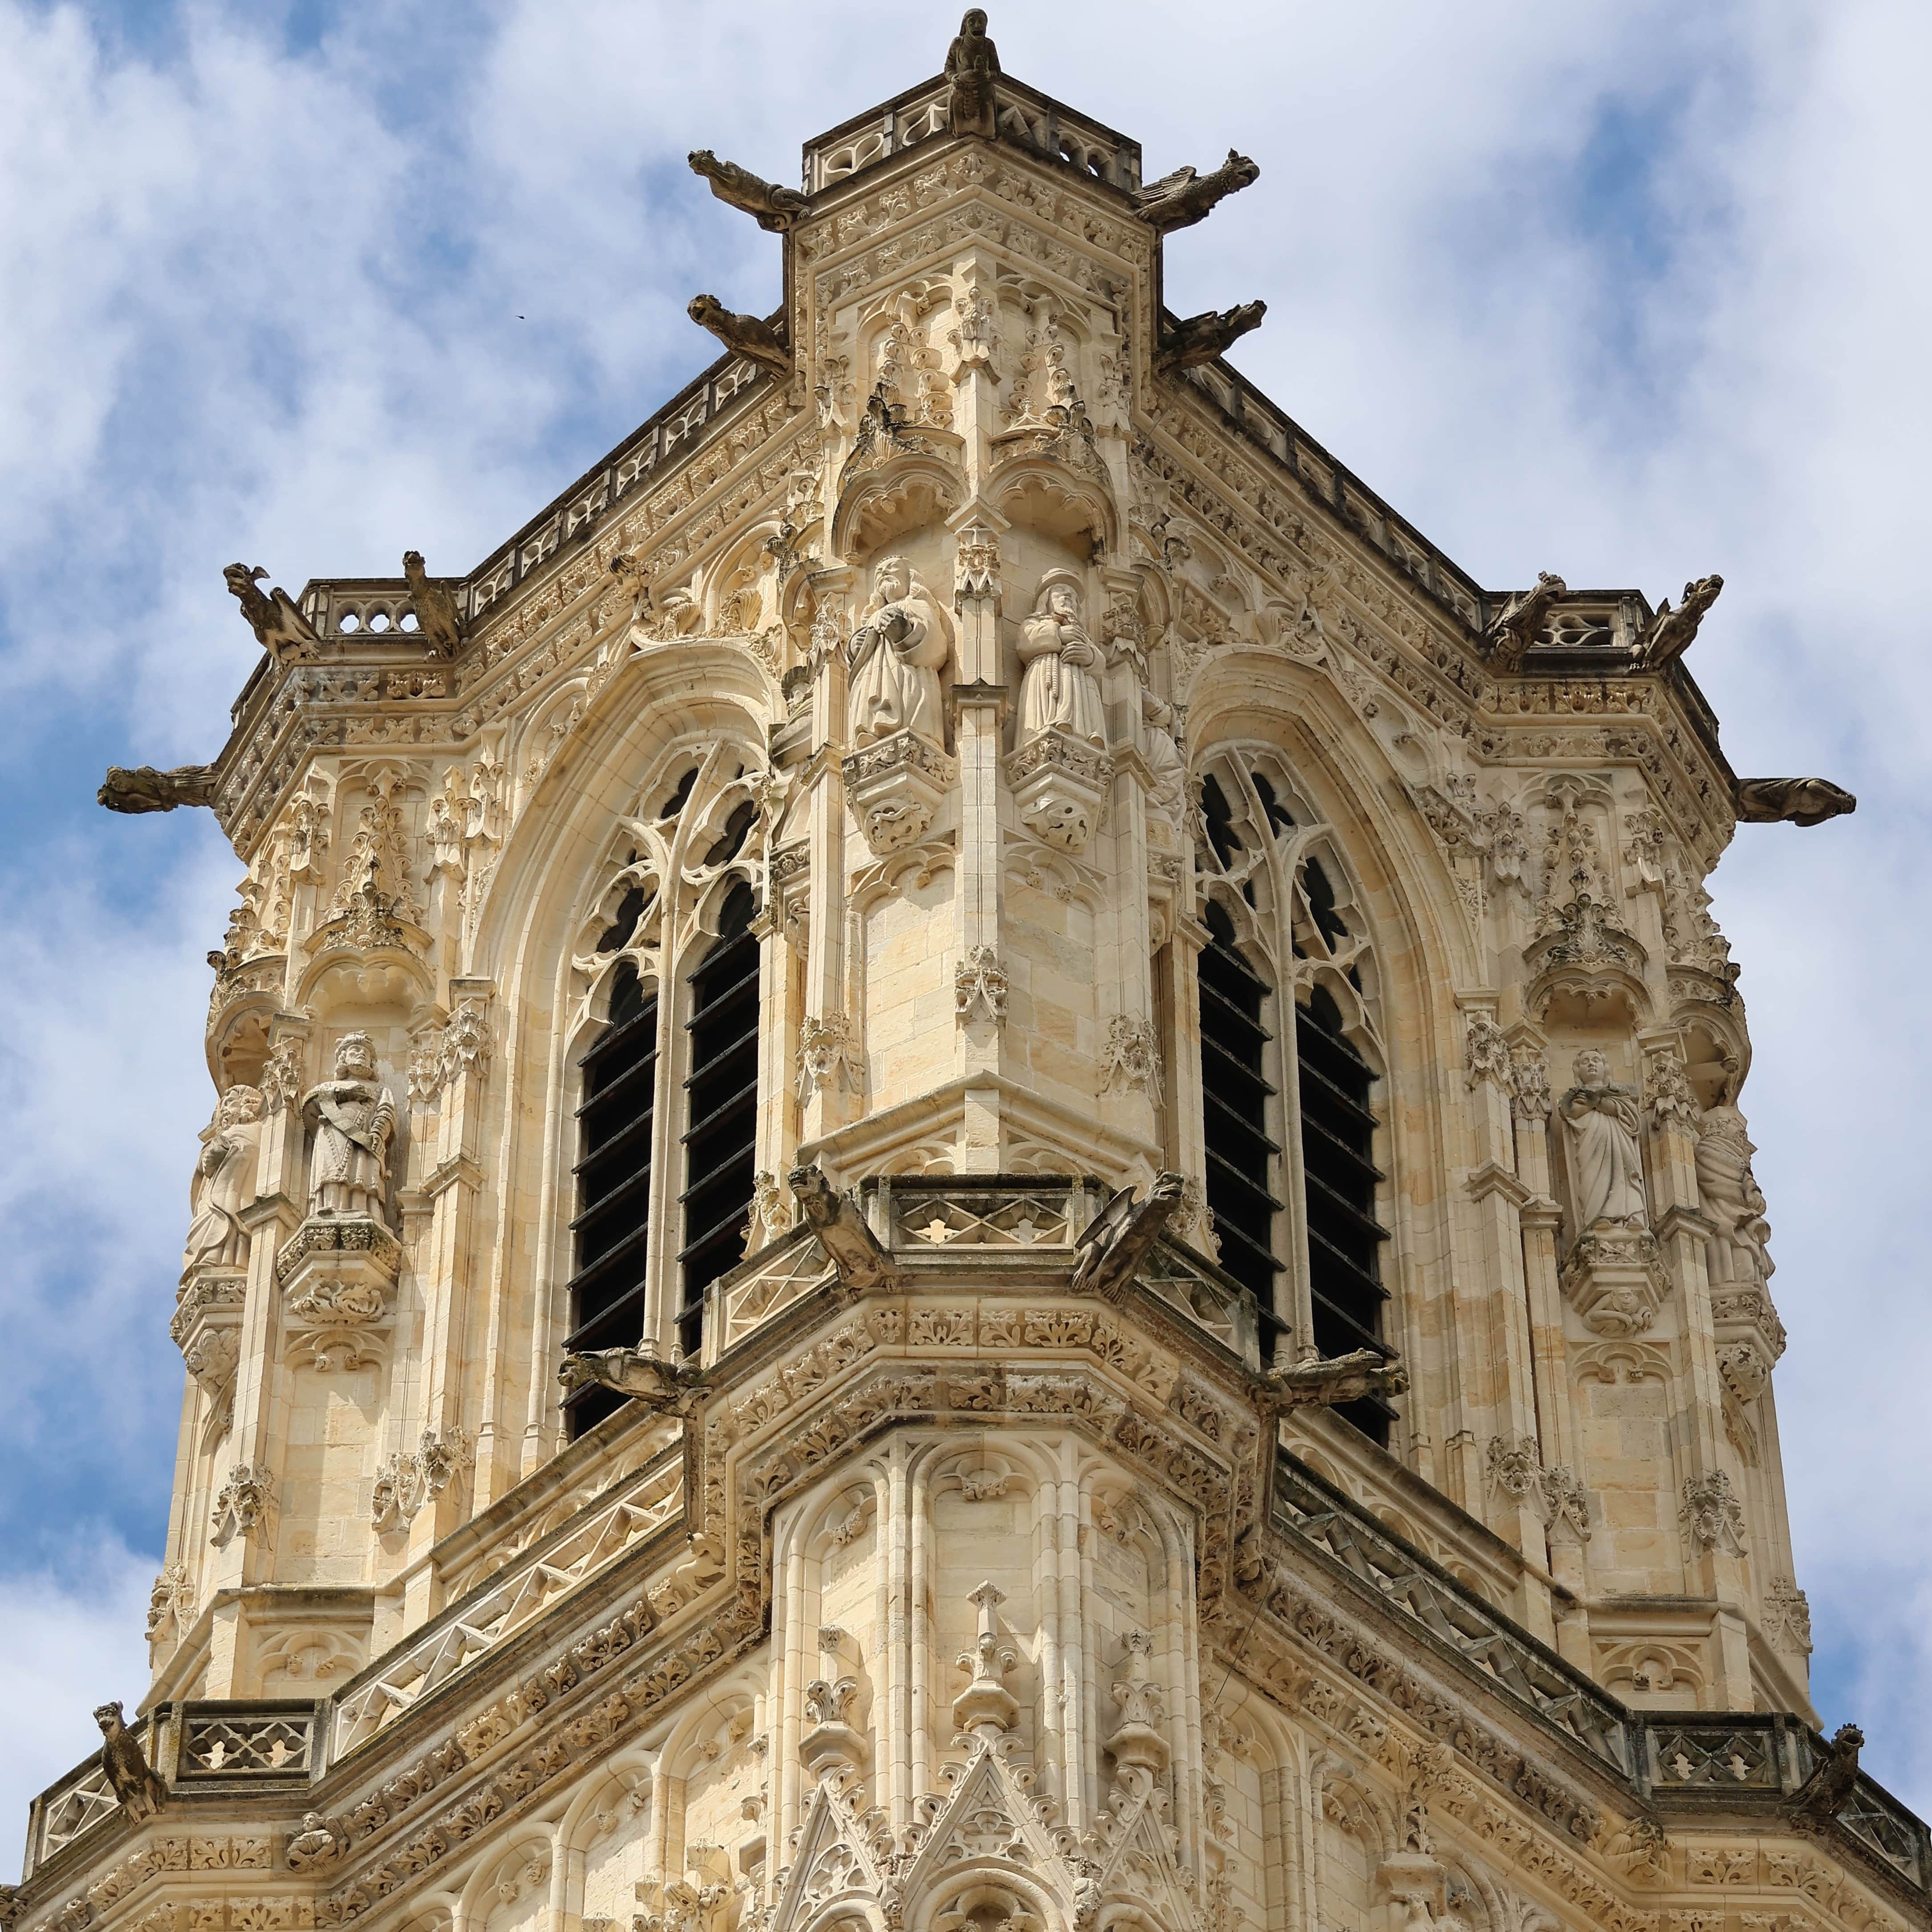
x: 1600, y: 1121
x: 971, y: 62
x: 1729, y: 1192
x: 1167, y: 795
x: 224, y: 1183
x: 354, y: 1119
x: 1060, y: 690
x: 896, y: 655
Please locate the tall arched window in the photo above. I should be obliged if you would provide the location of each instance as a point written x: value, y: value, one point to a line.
x: 615, y: 1129
x: 721, y: 1108
x: 1275, y: 918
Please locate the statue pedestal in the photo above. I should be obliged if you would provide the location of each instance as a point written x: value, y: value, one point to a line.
x: 1411, y: 1890
x: 1059, y: 788
x: 207, y: 1325
x: 895, y: 788
x: 337, y: 1275
x: 1615, y: 1279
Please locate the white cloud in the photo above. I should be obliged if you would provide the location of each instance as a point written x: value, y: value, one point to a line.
x: 1628, y: 292
x: 74, y: 1639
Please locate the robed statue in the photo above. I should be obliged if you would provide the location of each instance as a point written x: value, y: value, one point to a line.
x: 224, y: 1183
x: 1061, y: 690
x: 897, y: 653
x: 1601, y: 1120
x: 354, y: 1120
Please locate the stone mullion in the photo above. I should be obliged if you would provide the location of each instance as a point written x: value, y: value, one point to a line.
x: 788, y: 1641
x: 556, y: 1205
x: 492, y: 1474
x: 777, y: 1045
x: 1187, y: 1139
x: 1066, y: 1712
x: 893, y: 1523
x: 919, y: 1613
x: 830, y: 1103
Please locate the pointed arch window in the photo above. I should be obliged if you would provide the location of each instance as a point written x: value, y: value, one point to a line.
x: 1287, y: 1092
x: 721, y: 1105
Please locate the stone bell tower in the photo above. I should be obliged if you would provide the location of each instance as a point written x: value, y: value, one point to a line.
x: 977, y: 1165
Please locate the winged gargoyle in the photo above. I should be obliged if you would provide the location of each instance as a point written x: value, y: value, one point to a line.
x: 1831, y: 1782
x: 439, y: 615
x: 142, y: 788
x: 774, y: 209
x: 1514, y: 628
x: 1792, y: 801
x: 1328, y: 1382
x: 1184, y: 197
x: 1669, y: 634
x: 855, y: 1252
x: 1112, y: 1246
x: 274, y: 619
x: 1202, y: 337
x: 134, y: 1782
x: 637, y: 1373
x: 743, y: 334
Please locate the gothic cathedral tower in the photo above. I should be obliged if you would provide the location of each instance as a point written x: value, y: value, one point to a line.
x: 977, y: 1170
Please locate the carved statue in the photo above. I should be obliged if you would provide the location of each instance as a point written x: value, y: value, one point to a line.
x: 142, y: 788
x: 1728, y: 1194
x: 1514, y: 628
x: 1113, y: 1245
x: 1184, y: 197
x: 1060, y: 690
x: 355, y: 1120
x: 971, y: 62
x: 636, y: 1373
x: 1167, y: 795
x: 133, y: 1781
x: 854, y: 1251
x: 1202, y: 337
x: 1600, y: 1122
x: 774, y: 209
x: 1792, y: 801
x: 897, y: 653
x: 743, y: 334
x: 224, y: 1183
x: 438, y: 614
x: 274, y: 619
x: 320, y: 1842
x: 1670, y: 632
x: 1831, y: 1782
x: 1326, y: 1381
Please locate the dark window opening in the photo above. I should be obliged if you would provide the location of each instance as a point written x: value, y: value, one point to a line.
x: 1235, y: 1093
x: 615, y: 1130
x: 630, y: 908
x: 1345, y: 1240
x: 673, y: 805
x: 1220, y: 817
x: 721, y: 1107
x: 737, y: 830
x: 1322, y: 903
x: 1279, y: 816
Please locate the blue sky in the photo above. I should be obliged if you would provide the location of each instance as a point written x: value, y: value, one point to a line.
x: 1631, y: 292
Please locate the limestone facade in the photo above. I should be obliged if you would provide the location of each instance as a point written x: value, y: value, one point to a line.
x: 977, y: 1166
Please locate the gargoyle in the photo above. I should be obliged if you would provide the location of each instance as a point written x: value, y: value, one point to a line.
x: 1326, y: 1381
x: 635, y: 1373
x: 1831, y: 1782
x: 774, y: 209
x: 743, y: 334
x: 274, y: 619
x: 133, y: 1781
x: 971, y: 61
x: 439, y: 615
x: 144, y: 789
x: 13, y: 1907
x: 1112, y: 1246
x: 1514, y: 628
x: 1202, y: 337
x: 1792, y: 801
x: 1669, y: 634
x: 1184, y: 197
x: 854, y: 1250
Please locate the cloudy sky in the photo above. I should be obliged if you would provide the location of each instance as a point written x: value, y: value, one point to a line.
x: 1630, y: 292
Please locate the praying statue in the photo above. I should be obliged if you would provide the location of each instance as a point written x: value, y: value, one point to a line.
x: 1600, y: 1122
x: 1167, y: 772
x: 224, y: 1183
x: 1060, y: 690
x: 899, y: 650
x: 354, y: 1119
